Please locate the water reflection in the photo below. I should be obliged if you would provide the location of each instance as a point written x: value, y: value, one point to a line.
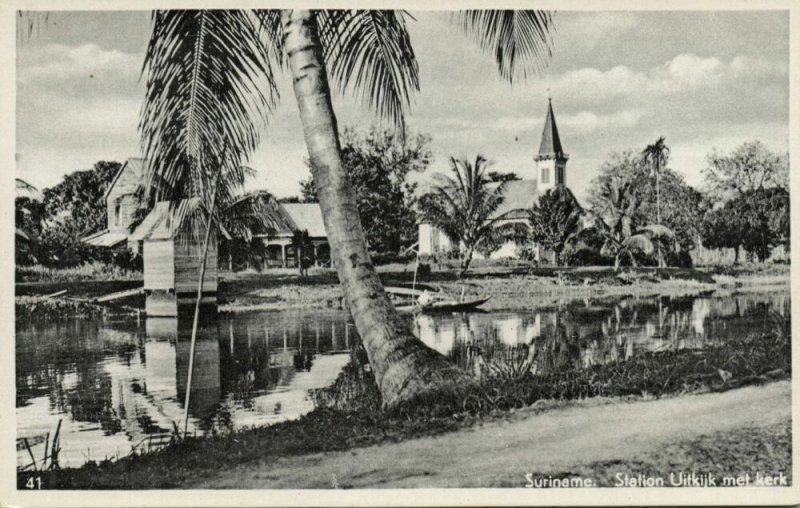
x: 116, y: 382
x: 584, y: 333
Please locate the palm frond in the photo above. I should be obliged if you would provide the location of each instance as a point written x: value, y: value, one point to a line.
x: 370, y: 53
x: 209, y: 87
x: 519, y: 40
x: 269, y: 24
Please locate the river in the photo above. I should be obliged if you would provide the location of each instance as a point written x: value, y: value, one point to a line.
x: 115, y: 382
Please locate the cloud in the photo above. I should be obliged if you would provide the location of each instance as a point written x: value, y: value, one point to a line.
x: 73, y: 98
x: 683, y: 73
x: 595, y: 27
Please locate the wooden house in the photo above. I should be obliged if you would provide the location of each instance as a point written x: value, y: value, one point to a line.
x: 123, y: 201
x: 172, y: 257
x: 296, y: 217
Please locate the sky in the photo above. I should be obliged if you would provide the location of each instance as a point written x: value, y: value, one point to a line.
x: 618, y: 81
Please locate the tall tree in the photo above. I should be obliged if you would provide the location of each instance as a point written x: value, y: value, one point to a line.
x: 623, y: 239
x: 210, y: 80
x: 682, y: 204
x: 751, y: 166
x: 656, y: 156
x: 377, y: 163
x: 555, y: 219
x: 463, y: 206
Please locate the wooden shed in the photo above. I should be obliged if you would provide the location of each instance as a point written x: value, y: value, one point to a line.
x: 172, y: 257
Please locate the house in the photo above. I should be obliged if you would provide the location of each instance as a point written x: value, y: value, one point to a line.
x: 172, y: 256
x: 296, y: 217
x: 123, y: 201
x: 520, y: 195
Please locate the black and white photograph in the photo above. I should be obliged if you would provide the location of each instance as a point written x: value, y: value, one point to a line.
x: 342, y: 253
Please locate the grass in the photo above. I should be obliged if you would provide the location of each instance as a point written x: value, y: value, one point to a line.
x: 88, y: 271
x: 40, y: 308
x: 349, y: 413
x: 767, y: 451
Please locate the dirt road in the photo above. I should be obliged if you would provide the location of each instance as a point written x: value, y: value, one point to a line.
x: 499, y: 454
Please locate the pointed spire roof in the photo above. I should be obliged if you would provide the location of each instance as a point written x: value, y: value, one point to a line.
x: 551, y: 142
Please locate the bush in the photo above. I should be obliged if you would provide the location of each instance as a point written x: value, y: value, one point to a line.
x: 88, y: 271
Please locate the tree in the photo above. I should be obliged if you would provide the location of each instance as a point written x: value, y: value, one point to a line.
x: 67, y: 212
x: 723, y: 229
x: 554, y: 220
x: 463, y: 206
x: 750, y: 167
x: 623, y: 239
x: 378, y: 163
x: 764, y: 216
x: 682, y: 204
x: 210, y: 80
x: 304, y: 251
x: 656, y: 156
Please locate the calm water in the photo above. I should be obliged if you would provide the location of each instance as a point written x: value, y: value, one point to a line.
x: 113, y: 383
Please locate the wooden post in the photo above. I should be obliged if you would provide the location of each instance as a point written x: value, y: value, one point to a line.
x: 209, y: 227
x: 283, y: 255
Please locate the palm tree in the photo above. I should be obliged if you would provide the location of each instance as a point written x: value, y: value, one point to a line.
x: 211, y: 83
x: 656, y: 155
x: 462, y: 206
x: 615, y: 222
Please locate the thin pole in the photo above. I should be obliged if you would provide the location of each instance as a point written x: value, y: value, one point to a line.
x: 197, y: 306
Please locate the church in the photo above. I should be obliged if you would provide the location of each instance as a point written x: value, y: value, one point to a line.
x: 520, y: 195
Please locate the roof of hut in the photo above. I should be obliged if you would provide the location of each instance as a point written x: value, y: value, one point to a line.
x: 133, y: 164
x: 306, y: 216
x: 160, y: 223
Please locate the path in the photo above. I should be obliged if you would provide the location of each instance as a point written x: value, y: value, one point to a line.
x: 497, y: 453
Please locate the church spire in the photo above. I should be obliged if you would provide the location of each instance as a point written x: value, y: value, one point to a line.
x: 551, y: 142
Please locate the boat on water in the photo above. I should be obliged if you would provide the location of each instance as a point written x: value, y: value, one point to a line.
x: 453, y: 305
x: 432, y: 303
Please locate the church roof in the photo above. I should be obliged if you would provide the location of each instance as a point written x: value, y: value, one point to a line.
x: 551, y: 141
x: 519, y: 196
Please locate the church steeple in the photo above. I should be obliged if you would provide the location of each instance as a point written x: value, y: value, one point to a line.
x: 551, y: 141
x: 551, y: 160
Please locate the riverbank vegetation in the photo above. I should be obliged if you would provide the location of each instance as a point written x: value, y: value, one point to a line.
x: 349, y: 413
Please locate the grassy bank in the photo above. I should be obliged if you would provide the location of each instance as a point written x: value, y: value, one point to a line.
x: 27, y: 308
x: 349, y: 415
x: 509, y: 286
x: 767, y: 451
x: 95, y: 271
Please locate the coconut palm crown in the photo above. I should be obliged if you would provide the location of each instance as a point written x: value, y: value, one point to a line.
x: 211, y: 85
x: 463, y: 205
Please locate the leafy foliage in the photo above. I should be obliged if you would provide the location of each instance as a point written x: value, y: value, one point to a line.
x: 750, y: 167
x: 519, y: 40
x: 617, y: 207
x: 756, y: 221
x: 69, y: 211
x: 462, y: 206
x: 378, y: 163
x: 555, y: 219
x: 681, y: 204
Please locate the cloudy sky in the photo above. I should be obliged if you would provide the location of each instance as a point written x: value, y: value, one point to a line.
x: 618, y: 80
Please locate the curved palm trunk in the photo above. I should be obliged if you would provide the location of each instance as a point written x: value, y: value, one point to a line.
x: 404, y: 367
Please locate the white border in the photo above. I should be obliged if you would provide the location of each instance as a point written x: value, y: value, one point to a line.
x: 9, y: 496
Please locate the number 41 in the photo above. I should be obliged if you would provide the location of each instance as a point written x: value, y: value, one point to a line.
x: 34, y: 482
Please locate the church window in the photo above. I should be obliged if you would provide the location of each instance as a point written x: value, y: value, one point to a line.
x: 560, y: 175
x: 545, y: 175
